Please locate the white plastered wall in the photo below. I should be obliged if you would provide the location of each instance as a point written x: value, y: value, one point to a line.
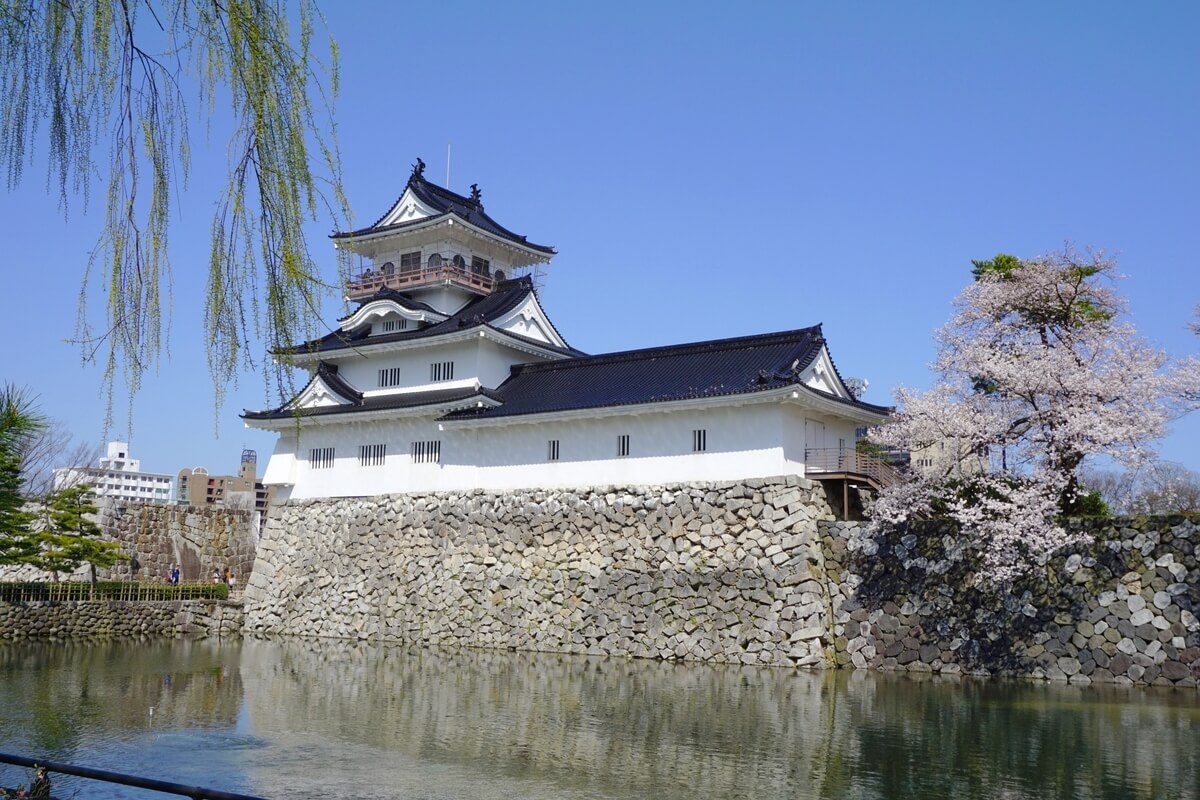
x: 742, y: 442
x: 475, y: 359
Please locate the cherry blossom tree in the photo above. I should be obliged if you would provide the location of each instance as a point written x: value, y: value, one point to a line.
x: 1038, y: 370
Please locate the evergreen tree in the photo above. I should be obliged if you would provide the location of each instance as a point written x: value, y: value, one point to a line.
x: 69, y: 538
x: 19, y: 424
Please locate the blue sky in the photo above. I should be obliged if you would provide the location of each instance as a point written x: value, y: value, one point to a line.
x: 705, y: 170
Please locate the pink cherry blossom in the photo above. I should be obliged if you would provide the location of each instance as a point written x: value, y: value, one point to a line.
x: 1038, y: 370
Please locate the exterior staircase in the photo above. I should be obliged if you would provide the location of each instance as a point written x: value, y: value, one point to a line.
x: 850, y: 468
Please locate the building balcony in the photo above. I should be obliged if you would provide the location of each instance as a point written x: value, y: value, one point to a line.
x: 444, y: 274
x: 841, y: 463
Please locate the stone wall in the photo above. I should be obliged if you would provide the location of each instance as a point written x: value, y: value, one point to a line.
x: 1122, y: 609
x: 198, y: 539
x: 722, y: 572
x: 90, y: 621
x: 753, y: 573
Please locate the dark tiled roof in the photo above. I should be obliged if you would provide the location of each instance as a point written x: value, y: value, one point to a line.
x: 329, y: 372
x: 480, y: 312
x: 719, y: 368
x: 433, y: 398
x: 446, y: 202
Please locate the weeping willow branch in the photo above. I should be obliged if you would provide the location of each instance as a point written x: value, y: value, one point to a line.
x: 107, y: 79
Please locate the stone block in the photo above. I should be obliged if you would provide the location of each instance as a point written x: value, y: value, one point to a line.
x: 806, y: 634
x: 1141, y: 616
x: 1175, y: 670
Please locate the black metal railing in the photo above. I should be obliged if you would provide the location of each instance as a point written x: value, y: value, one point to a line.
x: 54, y: 767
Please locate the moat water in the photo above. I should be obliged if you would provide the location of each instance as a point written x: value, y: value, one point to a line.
x: 301, y: 719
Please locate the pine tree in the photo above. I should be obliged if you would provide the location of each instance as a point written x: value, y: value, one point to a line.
x: 19, y: 423
x: 69, y: 538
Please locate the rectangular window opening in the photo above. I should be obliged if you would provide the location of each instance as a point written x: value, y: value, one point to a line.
x: 389, y: 376
x: 319, y: 458
x: 699, y: 440
x: 392, y: 325
x: 441, y: 371
x: 372, y: 455
x: 410, y: 262
x: 623, y: 445
x: 552, y: 450
x: 429, y: 452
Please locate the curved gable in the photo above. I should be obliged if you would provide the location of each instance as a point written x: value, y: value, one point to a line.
x: 821, y: 375
x: 374, y: 310
x: 409, y: 208
x: 327, y: 388
x: 529, y: 320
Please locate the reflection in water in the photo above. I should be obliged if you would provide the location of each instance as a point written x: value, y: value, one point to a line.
x: 320, y: 719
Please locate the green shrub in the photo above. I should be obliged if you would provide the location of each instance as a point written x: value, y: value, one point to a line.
x: 110, y: 590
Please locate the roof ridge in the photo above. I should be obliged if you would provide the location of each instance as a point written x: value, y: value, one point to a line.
x: 641, y: 354
x: 445, y: 202
x: 417, y: 181
x: 463, y: 199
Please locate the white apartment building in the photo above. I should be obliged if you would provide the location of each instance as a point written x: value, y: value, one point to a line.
x: 119, y: 476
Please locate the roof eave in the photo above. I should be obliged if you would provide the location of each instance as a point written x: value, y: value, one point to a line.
x: 357, y: 414
x: 793, y: 393
x: 550, y: 352
x: 537, y: 252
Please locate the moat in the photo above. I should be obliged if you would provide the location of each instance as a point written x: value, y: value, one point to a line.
x: 316, y: 719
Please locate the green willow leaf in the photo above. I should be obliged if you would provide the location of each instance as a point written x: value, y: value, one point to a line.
x: 106, y: 83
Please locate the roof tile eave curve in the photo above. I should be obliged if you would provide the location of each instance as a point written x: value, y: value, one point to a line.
x: 507, y: 296
x: 446, y: 203
x: 393, y: 402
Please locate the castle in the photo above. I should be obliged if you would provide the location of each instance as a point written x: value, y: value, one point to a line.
x: 449, y: 375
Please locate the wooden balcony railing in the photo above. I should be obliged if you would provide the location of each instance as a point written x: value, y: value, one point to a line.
x: 837, y: 462
x: 370, y: 282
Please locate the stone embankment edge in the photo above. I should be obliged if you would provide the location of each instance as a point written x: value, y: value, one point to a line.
x: 756, y: 572
x: 102, y: 620
x: 720, y: 573
x: 1120, y: 607
x: 753, y: 572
